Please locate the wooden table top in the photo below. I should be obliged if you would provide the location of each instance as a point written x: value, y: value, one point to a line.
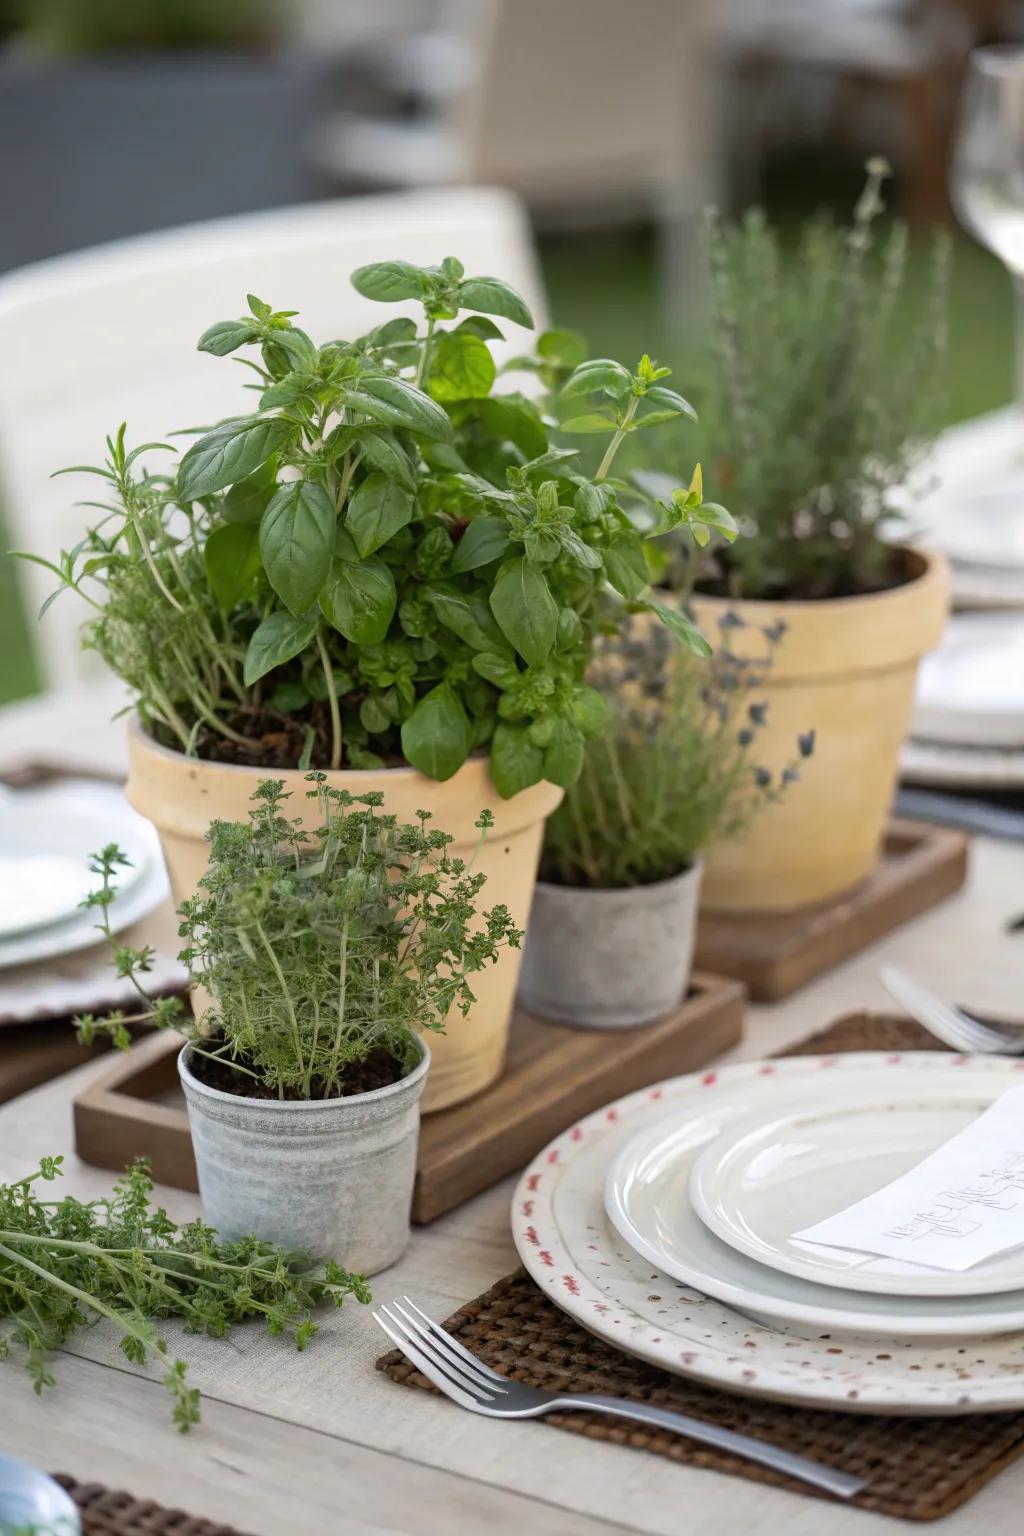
x: 404, y: 1464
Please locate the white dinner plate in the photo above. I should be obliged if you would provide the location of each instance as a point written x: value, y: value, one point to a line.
x: 971, y: 690
x: 44, y: 863
x: 647, y: 1199
x: 783, y: 1168
x: 73, y: 820
x: 941, y: 766
x: 581, y: 1263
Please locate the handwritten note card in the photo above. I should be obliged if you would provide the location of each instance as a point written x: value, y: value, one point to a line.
x: 963, y: 1204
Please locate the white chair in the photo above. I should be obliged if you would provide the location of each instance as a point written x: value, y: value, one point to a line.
x: 109, y: 335
x: 590, y: 110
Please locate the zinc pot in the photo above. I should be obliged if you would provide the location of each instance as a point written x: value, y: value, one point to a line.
x: 181, y: 795
x: 845, y: 668
x: 610, y: 959
x: 331, y: 1178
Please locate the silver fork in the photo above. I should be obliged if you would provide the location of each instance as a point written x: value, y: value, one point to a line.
x: 473, y: 1385
x: 949, y: 1024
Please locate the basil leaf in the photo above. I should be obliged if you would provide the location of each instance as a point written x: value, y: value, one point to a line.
x: 515, y: 762
x: 486, y: 539
x: 563, y: 756
x: 479, y: 325
x: 493, y: 297
x: 231, y: 555
x: 227, y: 336
x: 626, y: 566
x: 382, y: 449
x: 598, y: 373
x: 591, y: 422
x: 230, y: 453
x: 565, y: 349
x: 461, y: 367
x: 376, y: 510
x: 672, y: 399
x: 497, y: 669
x: 685, y: 631
x: 247, y: 501
x: 589, y: 711
x: 297, y: 347
x: 437, y: 737
x: 297, y: 542
x: 278, y: 639
x: 526, y: 612
x: 398, y: 404
x: 513, y: 417
x: 389, y: 281
x: 468, y: 617
x: 359, y: 600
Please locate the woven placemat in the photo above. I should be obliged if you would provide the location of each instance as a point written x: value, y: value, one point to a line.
x: 106, y: 1512
x: 918, y: 1469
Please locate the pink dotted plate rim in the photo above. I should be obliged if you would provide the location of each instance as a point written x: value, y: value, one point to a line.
x: 816, y: 1377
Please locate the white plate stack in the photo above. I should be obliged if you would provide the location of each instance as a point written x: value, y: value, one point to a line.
x: 968, y: 723
x: 54, y: 959
x: 666, y: 1223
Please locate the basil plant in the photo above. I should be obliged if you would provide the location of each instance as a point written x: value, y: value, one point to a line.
x: 386, y: 561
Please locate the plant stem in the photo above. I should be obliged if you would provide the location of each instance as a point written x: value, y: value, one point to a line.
x: 620, y: 435
x: 421, y: 367
x: 332, y: 700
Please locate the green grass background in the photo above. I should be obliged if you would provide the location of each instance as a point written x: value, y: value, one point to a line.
x: 606, y: 287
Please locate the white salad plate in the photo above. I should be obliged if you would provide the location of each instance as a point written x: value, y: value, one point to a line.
x: 782, y: 1169
x: 59, y: 827
x: 970, y: 692
x: 578, y: 1258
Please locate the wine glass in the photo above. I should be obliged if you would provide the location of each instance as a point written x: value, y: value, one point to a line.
x: 987, y: 173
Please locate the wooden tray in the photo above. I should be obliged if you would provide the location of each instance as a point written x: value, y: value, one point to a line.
x: 775, y: 953
x: 553, y: 1077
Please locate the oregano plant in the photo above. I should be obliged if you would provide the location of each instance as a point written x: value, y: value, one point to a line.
x: 385, y: 560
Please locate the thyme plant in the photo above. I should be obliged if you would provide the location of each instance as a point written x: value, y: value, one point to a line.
x: 64, y: 1264
x: 320, y: 950
x: 677, y: 767
x: 822, y: 404
x: 384, y: 561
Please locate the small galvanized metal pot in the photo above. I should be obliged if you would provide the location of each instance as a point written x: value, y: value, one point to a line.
x: 329, y: 1177
x: 611, y: 959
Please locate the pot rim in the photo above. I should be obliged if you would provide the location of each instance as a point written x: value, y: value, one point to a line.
x: 304, y: 1106
x: 597, y: 893
x: 137, y: 729
x: 931, y: 568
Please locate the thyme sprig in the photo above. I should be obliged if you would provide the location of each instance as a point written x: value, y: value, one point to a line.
x: 66, y: 1263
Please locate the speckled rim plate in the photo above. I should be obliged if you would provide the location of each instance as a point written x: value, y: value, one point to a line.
x: 575, y: 1255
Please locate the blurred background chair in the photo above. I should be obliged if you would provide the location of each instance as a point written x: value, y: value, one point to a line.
x: 108, y: 335
x: 592, y: 111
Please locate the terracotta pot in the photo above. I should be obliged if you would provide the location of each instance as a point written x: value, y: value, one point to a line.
x: 845, y: 669
x: 182, y: 795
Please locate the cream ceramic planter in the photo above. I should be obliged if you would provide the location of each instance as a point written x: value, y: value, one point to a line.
x: 332, y: 1178
x: 845, y: 669
x: 613, y: 959
x: 182, y: 795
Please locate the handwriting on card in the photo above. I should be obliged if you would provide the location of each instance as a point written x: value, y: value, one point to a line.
x: 961, y: 1205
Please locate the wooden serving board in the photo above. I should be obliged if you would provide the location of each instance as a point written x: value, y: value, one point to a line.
x: 554, y: 1076
x: 774, y: 954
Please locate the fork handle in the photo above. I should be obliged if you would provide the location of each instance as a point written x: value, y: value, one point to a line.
x: 843, y: 1484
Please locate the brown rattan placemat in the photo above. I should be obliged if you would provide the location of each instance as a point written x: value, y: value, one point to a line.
x: 918, y: 1469
x: 106, y: 1512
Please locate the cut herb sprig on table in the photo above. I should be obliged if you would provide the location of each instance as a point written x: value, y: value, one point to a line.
x: 384, y: 562
x: 66, y: 1263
